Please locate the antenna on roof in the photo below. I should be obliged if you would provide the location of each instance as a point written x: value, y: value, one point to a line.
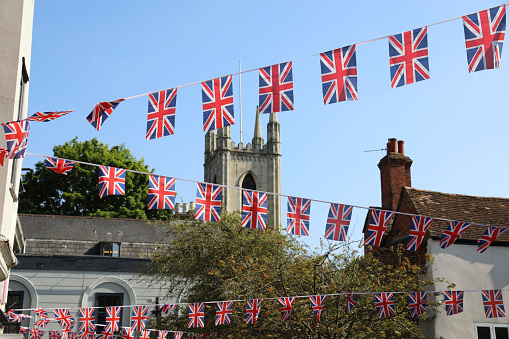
x: 376, y: 150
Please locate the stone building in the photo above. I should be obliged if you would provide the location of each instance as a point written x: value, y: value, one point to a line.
x: 256, y: 166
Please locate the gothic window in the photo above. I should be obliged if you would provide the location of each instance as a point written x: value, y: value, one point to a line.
x: 249, y: 182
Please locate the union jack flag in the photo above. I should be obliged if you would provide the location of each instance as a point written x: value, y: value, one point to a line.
x: 385, y: 304
x: 43, y: 322
x: 453, y: 302
x: 4, y: 154
x: 41, y: 313
x: 60, y: 166
x: 298, y: 214
x: 111, y: 181
x: 166, y: 308
x: 453, y: 232
x: 484, y: 37
x: 86, y: 335
x: 16, y: 317
x: 161, y: 113
x: 408, y: 54
x: 276, y: 88
x: 139, y: 317
x: 338, y: 221
x: 101, y: 112
x: 16, y: 137
x: 162, y: 334
x: 252, y: 310
x: 87, y: 320
x: 254, y: 209
x: 128, y: 333
x: 217, y: 97
x: 178, y: 335
x: 350, y: 303
x: 317, y: 302
x: 196, y: 315
x: 35, y: 333
x: 493, y: 303
x: 112, y: 319
x: 224, y: 312
x: 339, y: 75
x: 54, y: 334
x: 208, y: 202
x: 417, y: 231
x: 377, y: 226
x: 107, y: 335
x: 161, y: 192
x: 417, y: 303
x: 286, y: 304
x: 47, y: 116
x: 144, y: 334
x: 23, y: 330
x: 64, y: 318
x: 489, y: 237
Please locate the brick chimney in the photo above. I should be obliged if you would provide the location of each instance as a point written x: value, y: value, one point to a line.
x: 394, y: 173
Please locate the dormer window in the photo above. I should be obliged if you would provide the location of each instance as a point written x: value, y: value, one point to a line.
x: 110, y: 249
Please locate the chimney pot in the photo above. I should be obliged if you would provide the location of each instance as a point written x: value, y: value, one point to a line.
x: 391, y: 145
x: 401, y: 147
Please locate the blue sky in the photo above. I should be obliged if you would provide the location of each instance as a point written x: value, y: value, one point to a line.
x: 454, y: 125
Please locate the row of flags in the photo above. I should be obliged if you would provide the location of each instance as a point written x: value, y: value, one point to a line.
x: 408, y: 58
x: 384, y: 303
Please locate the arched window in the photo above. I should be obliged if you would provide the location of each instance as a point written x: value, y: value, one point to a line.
x: 249, y: 182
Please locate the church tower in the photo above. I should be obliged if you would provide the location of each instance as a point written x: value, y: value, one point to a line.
x: 256, y: 166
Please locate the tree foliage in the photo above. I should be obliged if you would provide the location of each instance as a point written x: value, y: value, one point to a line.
x: 77, y: 193
x: 223, y: 261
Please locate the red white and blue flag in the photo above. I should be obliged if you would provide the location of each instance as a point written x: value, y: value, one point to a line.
x: 106, y: 335
x: 418, y: 230
x: 54, y: 334
x: 64, y: 318
x: 127, y: 333
x: 252, y: 310
x: 16, y: 137
x: 489, y: 237
x: 350, y: 303
x: 111, y: 181
x: 161, y: 113
x: 58, y: 165
x: 47, y: 116
x: 87, y: 320
x: 254, y: 209
x: 417, y: 303
x: 139, y: 317
x: 453, y: 302
x: 484, y: 37
x: 224, y: 312
x: 286, y: 304
x: 453, y: 232
x: 23, y: 330
x: 41, y: 313
x: 217, y: 97
x: 161, y: 192
x: 43, y: 322
x: 385, y: 304
x: 408, y: 54
x: 339, y: 75
x: 101, y: 112
x: 161, y: 334
x: 493, y: 304
x: 35, y: 333
x: 298, y: 214
x: 377, y: 226
x: 196, y: 315
x: 317, y: 302
x: 338, y: 222
x: 112, y: 319
x: 178, y: 335
x: 167, y: 308
x: 276, y: 88
x: 144, y: 334
x: 208, y: 202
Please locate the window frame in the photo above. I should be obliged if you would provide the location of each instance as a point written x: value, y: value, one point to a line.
x: 491, y: 326
x: 100, y: 310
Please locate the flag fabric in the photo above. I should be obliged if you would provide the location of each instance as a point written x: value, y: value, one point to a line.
x: 161, y: 192
x: 453, y: 232
x: 35, y: 333
x: 224, y: 312
x: 101, y: 112
x: 60, y: 166
x: 178, y: 335
x: 286, y: 304
x: 23, y: 330
x: 128, y: 332
x: 144, y: 334
x: 317, y: 302
x: 139, y: 317
x: 453, y: 302
x: 64, y: 318
x: 161, y: 113
x: 484, y: 37
x: 112, y: 319
x: 417, y: 303
x: 47, y: 116
x: 350, y: 303
x: 339, y: 75
x: 489, y: 237
x: 107, y: 335
x: 41, y: 313
x: 276, y: 88
x: 161, y: 334
x: 253, y: 310
x: 493, y: 304
x: 254, y: 209
x: 298, y: 214
x: 54, y: 334
x: 408, y: 53
x: 42, y: 322
x: 217, y: 97
x: 385, y: 304
x: 4, y: 154
x: 167, y: 308
x: 111, y: 181
x: 418, y: 230
x: 338, y: 222
x: 16, y: 137
x: 208, y: 202
x: 377, y: 226
x: 196, y: 315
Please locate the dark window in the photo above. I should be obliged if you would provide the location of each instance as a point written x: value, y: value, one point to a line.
x: 483, y: 332
x: 501, y: 332
x: 249, y: 182
x: 103, y: 300
x: 110, y: 249
x: 14, y: 300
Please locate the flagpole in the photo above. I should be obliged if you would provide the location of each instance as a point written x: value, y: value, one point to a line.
x: 240, y: 101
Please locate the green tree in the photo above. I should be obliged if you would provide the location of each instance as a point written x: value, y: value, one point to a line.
x: 77, y: 193
x: 223, y: 261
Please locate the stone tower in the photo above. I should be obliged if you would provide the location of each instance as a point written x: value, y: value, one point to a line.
x: 256, y: 166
